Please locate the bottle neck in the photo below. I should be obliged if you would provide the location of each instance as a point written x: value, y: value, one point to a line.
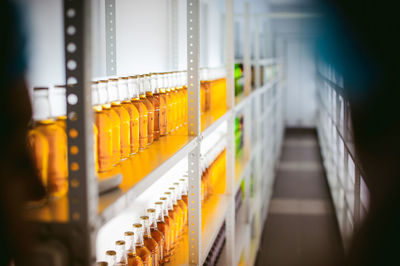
x: 146, y: 227
x: 130, y: 244
x: 159, y: 213
x: 153, y: 220
x: 111, y: 259
x: 139, y: 236
x: 121, y: 255
x: 173, y: 196
x: 169, y: 202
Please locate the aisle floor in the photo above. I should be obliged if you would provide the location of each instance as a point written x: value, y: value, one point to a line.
x: 301, y: 228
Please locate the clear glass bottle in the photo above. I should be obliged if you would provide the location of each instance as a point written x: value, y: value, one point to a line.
x: 104, y: 151
x: 57, y: 162
x: 114, y: 118
x: 177, y: 100
x: 156, y: 234
x: 141, y: 250
x: 181, y: 202
x: 111, y: 257
x: 172, y: 212
x: 161, y: 98
x: 149, y: 242
x: 170, y: 101
x: 124, y: 97
x: 121, y: 258
x: 163, y: 227
x: 177, y: 209
x: 142, y: 81
x: 169, y: 220
x: 155, y: 101
x: 125, y: 132
x: 133, y: 258
x: 133, y: 84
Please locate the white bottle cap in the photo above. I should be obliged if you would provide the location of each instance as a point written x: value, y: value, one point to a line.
x: 41, y: 105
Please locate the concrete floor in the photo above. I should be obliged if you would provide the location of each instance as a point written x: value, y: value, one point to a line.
x: 301, y: 228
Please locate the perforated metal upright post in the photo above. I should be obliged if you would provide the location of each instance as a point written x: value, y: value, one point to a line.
x: 111, y: 38
x: 82, y: 195
x: 194, y: 128
x: 230, y: 149
x: 247, y: 52
x: 173, y: 34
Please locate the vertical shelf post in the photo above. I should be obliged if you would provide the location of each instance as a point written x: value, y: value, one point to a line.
x: 230, y: 147
x: 194, y: 129
x: 247, y: 52
x: 111, y: 36
x: 83, y: 190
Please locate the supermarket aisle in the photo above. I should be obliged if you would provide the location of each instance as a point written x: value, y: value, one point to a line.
x: 301, y: 227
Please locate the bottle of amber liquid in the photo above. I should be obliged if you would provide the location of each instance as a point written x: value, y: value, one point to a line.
x: 111, y: 257
x: 125, y: 137
x: 177, y: 209
x: 174, y: 101
x: 114, y: 118
x: 57, y: 163
x: 179, y: 189
x: 149, y: 242
x: 169, y: 220
x: 142, y: 81
x: 163, y: 227
x: 104, y: 138
x: 133, y: 259
x: 177, y: 108
x: 161, y: 99
x: 121, y: 258
x: 181, y: 97
x: 184, y: 184
x: 155, y: 101
x: 156, y: 234
x: 170, y: 101
x: 185, y: 92
x: 172, y: 212
x: 124, y: 97
x: 133, y: 86
x: 141, y: 250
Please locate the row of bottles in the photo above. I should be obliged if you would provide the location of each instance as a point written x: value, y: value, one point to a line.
x: 155, y: 239
x: 130, y: 113
x: 133, y: 112
x: 212, y: 89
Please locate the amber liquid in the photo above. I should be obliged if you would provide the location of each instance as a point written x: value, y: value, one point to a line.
x: 134, y: 125
x: 39, y: 148
x: 155, y: 101
x: 116, y: 133
x: 184, y: 208
x: 57, y: 169
x: 145, y: 255
x: 185, y: 106
x: 185, y: 199
x: 159, y: 238
x: 134, y: 260
x: 150, y: 118
x: 180, y: 218
x: 174, y: 109
x: 170, y: 105
x: 169, y: 220
x: 181, y: 95
x: 163, y: 228
x: 104, y: 140
x: 152, y: 246
x: 163, y: 113
x: 125, y: 129
x: 143, y: 121
x: 95, y: 137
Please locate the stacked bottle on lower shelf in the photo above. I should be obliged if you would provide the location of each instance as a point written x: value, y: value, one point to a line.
x: 158, y: 235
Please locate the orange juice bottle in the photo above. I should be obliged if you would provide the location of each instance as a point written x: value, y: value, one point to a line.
x: 178, y: 209
x: 124, y: 97
x: 161, y: 99
x: 141, y: 250
x: 163, y: 104
x: 185, y: 101
x: 149, y: 242
x: 184, y: 187
x: 57, y: 167
x: 173, y: 212
x: 133, y: 259
x: 114, y: 118
x: 133, y: 84
x: 163, y: 227
x: 105, y: 132
x: 174, y: 101
x: 181, y: 96
x: 169, y: 219
x: 150, y: 89
x: 125, y: 132
x: 156, y: 234
x: 143, y: 84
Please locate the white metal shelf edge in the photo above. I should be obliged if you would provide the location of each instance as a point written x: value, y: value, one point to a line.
x: 125, y: 200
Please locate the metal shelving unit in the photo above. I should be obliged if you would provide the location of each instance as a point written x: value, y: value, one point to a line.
x: 349, y: 192
x: 75, y: 220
